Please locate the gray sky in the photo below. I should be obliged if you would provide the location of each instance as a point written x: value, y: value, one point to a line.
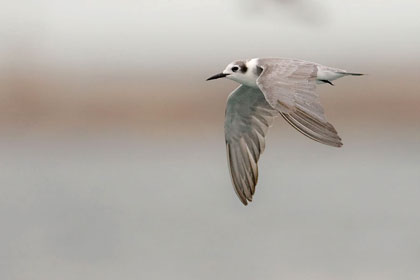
x: 153, y: 34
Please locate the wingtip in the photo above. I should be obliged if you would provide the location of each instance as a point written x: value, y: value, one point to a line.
x: 245, y: 200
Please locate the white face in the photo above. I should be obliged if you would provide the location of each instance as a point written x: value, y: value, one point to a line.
x: 242, y: 75
x: 233, y: 71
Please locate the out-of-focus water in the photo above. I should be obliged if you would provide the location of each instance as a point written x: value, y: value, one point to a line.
x: 115, y: 205
x: 112, y: 157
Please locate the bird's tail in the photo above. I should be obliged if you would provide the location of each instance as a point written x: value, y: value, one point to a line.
x: 352, y: 74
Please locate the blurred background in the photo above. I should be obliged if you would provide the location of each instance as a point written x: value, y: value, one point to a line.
x: 112, y: 147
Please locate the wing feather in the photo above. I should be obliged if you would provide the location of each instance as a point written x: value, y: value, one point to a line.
x: 289, y: 86
x: 248, y: 117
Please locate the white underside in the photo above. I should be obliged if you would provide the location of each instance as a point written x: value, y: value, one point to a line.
x: 325, y: 74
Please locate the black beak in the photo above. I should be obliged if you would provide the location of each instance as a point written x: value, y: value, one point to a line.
x: 217, y: 76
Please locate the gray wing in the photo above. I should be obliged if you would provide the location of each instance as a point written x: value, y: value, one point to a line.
x: 290, y: 87
x: 248, y: 117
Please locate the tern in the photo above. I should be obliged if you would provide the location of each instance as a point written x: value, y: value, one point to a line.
x: 270, y: 87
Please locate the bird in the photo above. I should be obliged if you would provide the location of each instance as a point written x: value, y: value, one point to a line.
x: 272, y: 87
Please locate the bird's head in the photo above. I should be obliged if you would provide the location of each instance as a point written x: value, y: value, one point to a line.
x: 235, y: 71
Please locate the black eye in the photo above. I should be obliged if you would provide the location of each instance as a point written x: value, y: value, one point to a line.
x: 235, y: 68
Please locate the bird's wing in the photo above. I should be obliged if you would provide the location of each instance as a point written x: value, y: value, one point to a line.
x: 248, y: 117
x: 289, y: 87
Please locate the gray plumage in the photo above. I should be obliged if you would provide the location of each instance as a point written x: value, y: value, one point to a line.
x: 248, y: 117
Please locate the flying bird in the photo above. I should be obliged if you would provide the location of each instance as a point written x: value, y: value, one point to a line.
x: 270, y: 87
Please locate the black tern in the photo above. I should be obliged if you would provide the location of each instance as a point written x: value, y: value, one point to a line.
x: 271, y: 87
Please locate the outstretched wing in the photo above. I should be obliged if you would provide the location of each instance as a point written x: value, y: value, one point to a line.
x: 248, y: 117
x: 289, y: 87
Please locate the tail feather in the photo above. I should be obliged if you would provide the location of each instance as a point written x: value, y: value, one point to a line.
x: 352, y: 74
